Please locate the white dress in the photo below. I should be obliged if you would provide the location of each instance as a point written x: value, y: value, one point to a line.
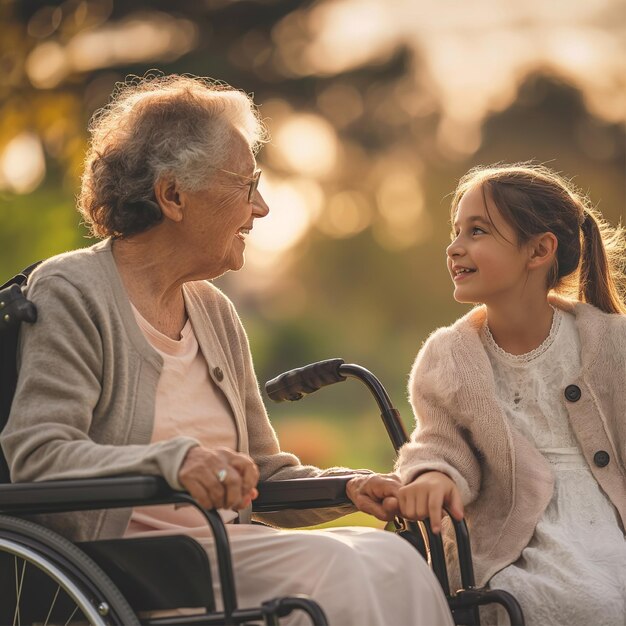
x: 573, y: 571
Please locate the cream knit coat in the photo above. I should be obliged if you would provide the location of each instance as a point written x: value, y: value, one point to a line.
x: 462, y: 431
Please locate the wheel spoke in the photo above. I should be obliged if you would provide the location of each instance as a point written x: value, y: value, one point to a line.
x: 72, y: 615
x: 56, y: 595
x: 18, y: 591
x: 20, y: 572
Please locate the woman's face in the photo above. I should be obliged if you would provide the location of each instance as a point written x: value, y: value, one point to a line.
x: 219, y: 217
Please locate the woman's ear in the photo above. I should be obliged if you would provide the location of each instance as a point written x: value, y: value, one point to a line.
x: 542, y: 250
x: 169, y: 198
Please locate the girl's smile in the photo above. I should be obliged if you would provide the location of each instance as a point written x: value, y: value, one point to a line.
x: 460, y: 272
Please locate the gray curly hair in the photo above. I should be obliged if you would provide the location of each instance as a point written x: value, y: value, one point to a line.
x: 157, y: 126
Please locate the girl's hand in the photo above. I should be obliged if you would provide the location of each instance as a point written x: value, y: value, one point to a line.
x: 427, y: 496
x: 376, y: 494
x: 219, y: 478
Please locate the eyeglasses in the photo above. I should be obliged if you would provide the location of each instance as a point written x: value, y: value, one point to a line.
x: 254, y: 180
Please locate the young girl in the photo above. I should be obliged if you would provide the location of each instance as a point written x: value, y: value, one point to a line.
x: 521, y: 404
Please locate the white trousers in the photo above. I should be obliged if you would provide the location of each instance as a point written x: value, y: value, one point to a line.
x: 359, y: 576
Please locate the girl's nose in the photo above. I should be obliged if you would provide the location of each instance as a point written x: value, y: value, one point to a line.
x: 454, y: 249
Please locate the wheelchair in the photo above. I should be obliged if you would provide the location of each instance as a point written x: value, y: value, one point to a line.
x: 46, y: 579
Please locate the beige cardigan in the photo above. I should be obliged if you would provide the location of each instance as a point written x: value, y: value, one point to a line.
x: 504, y: 480
x: 84, y: 403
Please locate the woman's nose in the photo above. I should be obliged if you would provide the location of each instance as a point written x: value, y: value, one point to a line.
x: 259, y: 206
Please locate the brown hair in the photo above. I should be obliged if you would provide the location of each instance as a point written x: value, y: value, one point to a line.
x: 590, y: 261
x: 158, y: 126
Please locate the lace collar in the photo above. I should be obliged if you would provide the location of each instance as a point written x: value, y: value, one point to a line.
x: 533, y: 354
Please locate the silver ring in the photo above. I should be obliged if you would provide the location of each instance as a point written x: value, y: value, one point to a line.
x: 221, y: 474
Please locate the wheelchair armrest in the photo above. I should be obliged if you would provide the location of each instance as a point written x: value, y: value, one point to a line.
x: 82, y: 494
x: 301, y: 493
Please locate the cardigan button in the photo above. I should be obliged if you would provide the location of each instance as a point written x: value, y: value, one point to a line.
x: 601, y: 458
x: 572, y: 393
x: 219, y: 375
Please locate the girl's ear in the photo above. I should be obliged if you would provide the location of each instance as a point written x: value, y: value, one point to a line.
x: 542, y: 250
x: 169, y: 198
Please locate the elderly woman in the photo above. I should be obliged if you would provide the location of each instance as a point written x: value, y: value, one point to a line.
x: 138, y: 364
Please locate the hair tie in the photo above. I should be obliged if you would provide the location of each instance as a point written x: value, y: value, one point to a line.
x: 583, y: 218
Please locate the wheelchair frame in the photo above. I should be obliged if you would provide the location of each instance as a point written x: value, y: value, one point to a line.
x: 103, y: 602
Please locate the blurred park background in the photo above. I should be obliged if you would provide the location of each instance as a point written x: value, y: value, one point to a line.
x: 376, y: 108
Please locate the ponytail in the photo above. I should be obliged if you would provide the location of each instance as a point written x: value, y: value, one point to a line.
x: 602, y: 264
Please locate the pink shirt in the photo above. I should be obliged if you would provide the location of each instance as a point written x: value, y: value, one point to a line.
x: 187, y: 403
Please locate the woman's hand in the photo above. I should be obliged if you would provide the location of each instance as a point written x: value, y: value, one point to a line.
x: 427, y: 496
x: 375, y: 494
x: 219, y: 477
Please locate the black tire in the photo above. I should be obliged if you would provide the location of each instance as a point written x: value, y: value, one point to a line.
x: 45, y: 578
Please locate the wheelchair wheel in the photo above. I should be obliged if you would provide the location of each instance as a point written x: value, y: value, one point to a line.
x: 47, y: 580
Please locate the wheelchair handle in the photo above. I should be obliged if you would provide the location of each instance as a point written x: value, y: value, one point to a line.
x: 15, y: 308
x: 297, y: 383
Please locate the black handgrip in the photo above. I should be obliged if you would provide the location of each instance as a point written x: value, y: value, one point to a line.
x: 297, y: 383
x: 15, y: 308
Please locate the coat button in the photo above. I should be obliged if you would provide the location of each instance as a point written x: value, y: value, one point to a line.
x: 601, y: 458
x: 219, y: 375
x: 572, y: 393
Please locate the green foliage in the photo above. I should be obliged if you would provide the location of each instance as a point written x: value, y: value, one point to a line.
x: 36, y: 226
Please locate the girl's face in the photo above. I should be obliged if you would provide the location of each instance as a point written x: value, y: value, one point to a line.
x: 484, y: 259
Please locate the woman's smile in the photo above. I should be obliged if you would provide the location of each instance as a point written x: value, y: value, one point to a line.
x: 243, y: 232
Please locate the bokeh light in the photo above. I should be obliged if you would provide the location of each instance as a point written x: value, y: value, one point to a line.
x: 145, y: 36
x: 294, y: 205
x: 308, y: 144
x: 22, y: 164
x: 346, y: 214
